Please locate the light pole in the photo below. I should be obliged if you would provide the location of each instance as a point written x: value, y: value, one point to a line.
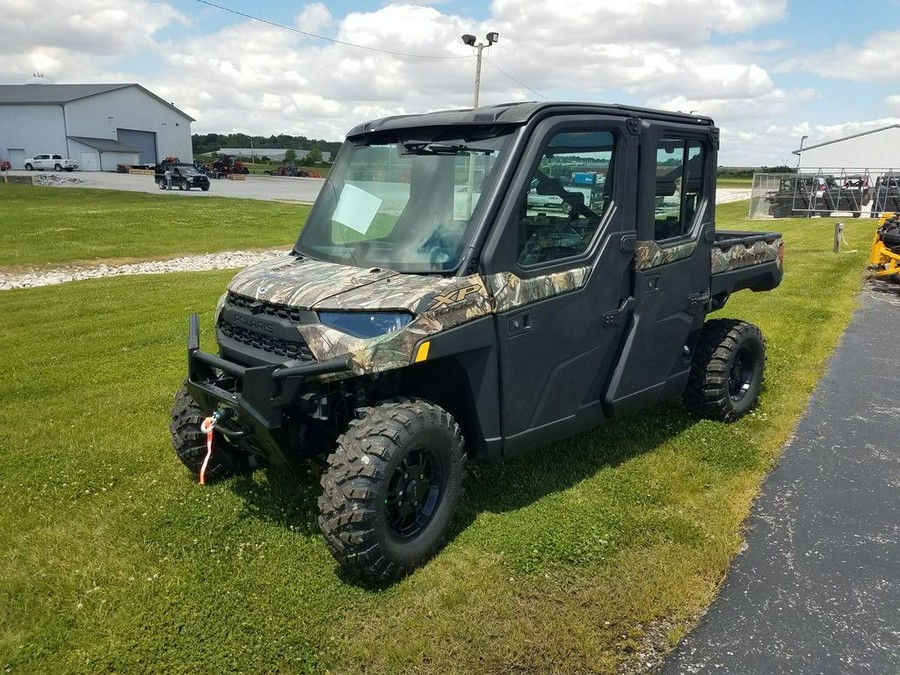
x: 800, y: 151
x: 470, y: 40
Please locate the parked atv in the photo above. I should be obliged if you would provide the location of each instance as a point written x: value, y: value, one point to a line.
x: 428, y: 315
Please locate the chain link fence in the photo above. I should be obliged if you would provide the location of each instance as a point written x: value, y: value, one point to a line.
x: 850, y: 192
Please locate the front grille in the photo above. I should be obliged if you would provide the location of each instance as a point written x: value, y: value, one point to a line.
x: 284, y: 348
x: 266, y: 308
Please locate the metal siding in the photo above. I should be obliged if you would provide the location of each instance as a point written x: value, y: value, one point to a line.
x: 35, y: 128
x: 100, y: 161
x: 130, y: 108
x: 875, y: 152
x: 109, y: 160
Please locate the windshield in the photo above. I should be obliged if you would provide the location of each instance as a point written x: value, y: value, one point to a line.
x: 404, y: 202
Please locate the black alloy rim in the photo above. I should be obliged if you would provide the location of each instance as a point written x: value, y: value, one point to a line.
x: 741, y: 376
x: 414, y: 492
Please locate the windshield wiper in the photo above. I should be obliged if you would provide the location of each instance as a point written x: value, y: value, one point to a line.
x: 431, y: 148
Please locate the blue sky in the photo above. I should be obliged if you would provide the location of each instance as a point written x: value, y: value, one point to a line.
x: 767, y: 71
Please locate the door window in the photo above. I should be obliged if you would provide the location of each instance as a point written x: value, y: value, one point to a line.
x: 679, y: 186
x: 569, y: 192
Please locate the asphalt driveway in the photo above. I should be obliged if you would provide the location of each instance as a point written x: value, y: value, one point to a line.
x: 817, y: 587
x: 278, y: 188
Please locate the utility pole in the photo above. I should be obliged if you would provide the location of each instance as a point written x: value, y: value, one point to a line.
x: 469, y: 40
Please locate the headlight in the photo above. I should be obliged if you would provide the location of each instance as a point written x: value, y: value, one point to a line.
x: 364, y: 324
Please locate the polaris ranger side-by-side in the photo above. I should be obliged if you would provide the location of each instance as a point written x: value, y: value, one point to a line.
x: 431, y: 312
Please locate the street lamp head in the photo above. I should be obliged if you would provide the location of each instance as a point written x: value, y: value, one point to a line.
x: 492, y: 38
x: 468, y: 39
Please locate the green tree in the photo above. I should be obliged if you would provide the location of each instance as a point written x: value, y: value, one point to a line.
x: 290, y: 156
x: 314, y: 156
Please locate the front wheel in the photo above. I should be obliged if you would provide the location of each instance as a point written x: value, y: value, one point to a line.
x: 391, y: 488
x: 205, y: 188
x: 727, y: 370
x: 184, y: 186
x: 190, y: 443
x: 161, y: 183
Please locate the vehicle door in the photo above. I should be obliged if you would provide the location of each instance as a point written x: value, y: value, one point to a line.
x: 558, y: 267
x: 672, y: 266
x: 41, y: 161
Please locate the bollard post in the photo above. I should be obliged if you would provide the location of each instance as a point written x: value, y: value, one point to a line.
x: 838, y: 234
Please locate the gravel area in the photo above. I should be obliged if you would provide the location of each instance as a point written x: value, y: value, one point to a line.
x: 196, y: 263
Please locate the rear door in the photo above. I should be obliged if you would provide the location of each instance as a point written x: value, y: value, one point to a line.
x: 675, y: 226
x: 563, y: 262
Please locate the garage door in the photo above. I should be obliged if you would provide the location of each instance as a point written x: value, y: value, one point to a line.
x: 143, y: 141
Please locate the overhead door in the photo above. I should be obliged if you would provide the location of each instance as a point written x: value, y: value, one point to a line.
x: 143, y: 141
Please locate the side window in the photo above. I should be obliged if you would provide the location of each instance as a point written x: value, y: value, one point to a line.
x: 567, y: 196
x: 679, y: 186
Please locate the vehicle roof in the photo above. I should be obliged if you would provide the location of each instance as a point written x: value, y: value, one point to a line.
x: 519, y: 113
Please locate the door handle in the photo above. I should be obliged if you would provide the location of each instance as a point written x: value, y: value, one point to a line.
x: 519, y: 324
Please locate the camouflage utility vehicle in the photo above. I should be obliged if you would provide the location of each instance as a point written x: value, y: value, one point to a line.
x: 430, y: 312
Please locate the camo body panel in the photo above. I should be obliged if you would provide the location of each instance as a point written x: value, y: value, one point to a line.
x: 438, y: 303
x: 509, y: 291
x: 305, y: 283
x: 740, y: 255
x: 649, y: 254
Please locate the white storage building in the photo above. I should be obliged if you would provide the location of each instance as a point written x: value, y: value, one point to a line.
x: 97, y: 125
x: 876, y: 151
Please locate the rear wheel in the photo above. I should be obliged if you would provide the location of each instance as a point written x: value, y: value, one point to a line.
x: 727, y: 371
x: 161, y: 183
x: 57, y: 167
x: 29, y: 167
x: 183, y: 185
x: 391, y: 488
x: 190, y: 443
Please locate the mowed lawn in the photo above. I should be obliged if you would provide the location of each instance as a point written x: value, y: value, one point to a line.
x: 574, y: 558
x: 53, y: 226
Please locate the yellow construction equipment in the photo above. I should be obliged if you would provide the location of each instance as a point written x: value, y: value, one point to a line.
x: 884, y: 260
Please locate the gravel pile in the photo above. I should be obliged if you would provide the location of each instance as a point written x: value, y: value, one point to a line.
x: 730, y: 195
x: 195, y: 263
x: 47, y: 179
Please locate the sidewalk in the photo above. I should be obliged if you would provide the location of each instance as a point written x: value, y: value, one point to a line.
x: 817, y: 587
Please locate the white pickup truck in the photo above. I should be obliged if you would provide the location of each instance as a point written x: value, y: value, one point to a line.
x: 49, y: 161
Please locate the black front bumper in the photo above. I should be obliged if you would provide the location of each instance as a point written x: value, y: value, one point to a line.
x: 256, y: 397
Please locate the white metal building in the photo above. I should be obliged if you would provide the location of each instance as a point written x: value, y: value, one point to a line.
x: 876, y: 151
x: 97, y: 125
x: 275, y: 154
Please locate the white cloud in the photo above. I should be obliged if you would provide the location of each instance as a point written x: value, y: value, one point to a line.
x: 875, y: 60
x: 314, y: 18
x: 893, y: 103
x: 658, y: 53
x: 62, y: 38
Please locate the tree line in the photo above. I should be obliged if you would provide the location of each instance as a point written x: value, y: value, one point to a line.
x: 209, y: 143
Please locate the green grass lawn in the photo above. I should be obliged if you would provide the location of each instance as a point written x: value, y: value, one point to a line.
x: 572, y: 558
x: 49, y: 225
x: 734, y: 183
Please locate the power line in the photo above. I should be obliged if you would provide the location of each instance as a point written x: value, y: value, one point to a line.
x: 521, y: 84
x: 327, y: 39
x: 275, y: 24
